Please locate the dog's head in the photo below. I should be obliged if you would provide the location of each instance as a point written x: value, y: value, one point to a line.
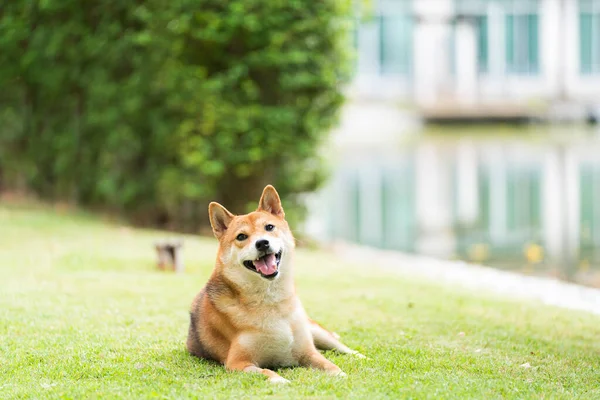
x: 255, y: 245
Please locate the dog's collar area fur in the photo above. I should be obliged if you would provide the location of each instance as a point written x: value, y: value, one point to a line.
x: 249, y: 264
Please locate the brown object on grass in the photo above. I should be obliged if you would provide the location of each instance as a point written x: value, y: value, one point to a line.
x: 170, y: 255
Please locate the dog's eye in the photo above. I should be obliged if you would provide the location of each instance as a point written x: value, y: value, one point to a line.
x: 241, y: 237
x: 269, y: 227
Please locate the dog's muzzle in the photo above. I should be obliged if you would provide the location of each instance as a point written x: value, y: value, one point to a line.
x: 266, y: 265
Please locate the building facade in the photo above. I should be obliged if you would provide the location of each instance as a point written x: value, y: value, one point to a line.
x: 472, y: 52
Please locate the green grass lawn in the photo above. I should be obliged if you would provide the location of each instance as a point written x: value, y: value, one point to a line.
x: 84, y: 314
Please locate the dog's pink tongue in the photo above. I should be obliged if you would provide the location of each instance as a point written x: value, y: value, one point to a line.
x: 266, y: 265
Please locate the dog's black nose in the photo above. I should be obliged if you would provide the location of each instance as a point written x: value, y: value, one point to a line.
x: 262, y: 244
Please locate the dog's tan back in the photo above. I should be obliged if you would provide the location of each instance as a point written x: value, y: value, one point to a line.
x: 248, y: 316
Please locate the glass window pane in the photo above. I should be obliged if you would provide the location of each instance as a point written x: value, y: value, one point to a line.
x: 533, y: 59
x: 585, y: 43
x: 395, y: 44
x: 368, y: 46
x: 522, y: 47
x: 596, y: 41
x: 586, y: 5
x: 510, y: 59
x: 482, y: 43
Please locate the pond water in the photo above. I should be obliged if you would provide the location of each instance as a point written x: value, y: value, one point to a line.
x: 524, y: 198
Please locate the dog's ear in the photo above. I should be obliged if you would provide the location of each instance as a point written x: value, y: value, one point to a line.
x: 220, y: 218
x: 270, y: 202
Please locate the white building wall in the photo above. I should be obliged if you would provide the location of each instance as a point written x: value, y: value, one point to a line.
x: 426, y: 77
x: 466, y: 64
x: 429, y: 49
x: 428, y: 83
x: 552, y: 47
x: 493, y: 85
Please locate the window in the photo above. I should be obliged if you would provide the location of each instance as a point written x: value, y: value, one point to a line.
x: 482, y: 43
x: 368, y: 46
x: 514, y: 25
x: 481, y: 29
x: 385, y: 39
x: 395, y: 44
x: 477, y: 9
x: 589, y: 36
x: 522, y: 43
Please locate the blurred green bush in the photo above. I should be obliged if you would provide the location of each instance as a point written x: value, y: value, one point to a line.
x: 153, y: 108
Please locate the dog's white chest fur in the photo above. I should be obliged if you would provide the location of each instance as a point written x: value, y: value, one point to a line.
x: 276, y: 341
x: 273, y: 347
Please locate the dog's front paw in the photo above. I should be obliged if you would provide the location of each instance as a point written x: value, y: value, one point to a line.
x: 337, y: 373
x: 279, y: 379
x: 359, y: 355
x: 341, y: 374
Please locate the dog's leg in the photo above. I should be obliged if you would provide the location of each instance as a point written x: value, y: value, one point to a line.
x: 316, y: 360
x: 239, y: 360
x: 325, y: 340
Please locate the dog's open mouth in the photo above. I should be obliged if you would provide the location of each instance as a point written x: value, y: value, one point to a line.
x: 267, y: 265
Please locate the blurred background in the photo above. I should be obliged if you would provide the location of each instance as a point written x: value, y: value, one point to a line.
x: 469, y: 133
x: 460, y: 129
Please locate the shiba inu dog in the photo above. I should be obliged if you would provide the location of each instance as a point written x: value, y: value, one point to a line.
x: 248, y: 316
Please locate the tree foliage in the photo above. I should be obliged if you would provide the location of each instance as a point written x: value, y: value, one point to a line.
x: 152, y: 108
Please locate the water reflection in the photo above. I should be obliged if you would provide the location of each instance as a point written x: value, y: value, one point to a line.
x: 528, y: 202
